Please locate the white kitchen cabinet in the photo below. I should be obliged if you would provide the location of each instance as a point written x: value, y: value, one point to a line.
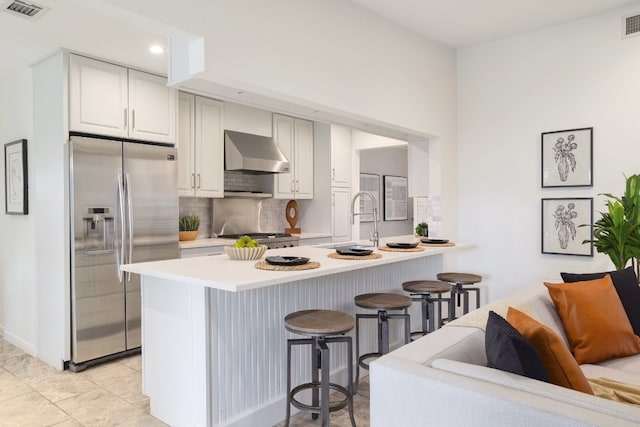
x: 108, y: 99
x: 340, y: 225
x: 340, y: 156
x: 200, y: 146
x: 295, y: 139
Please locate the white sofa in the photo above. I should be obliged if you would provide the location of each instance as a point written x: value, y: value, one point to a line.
x: 443, y: 379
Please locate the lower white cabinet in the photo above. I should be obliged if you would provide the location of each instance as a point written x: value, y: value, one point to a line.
x: 200, y: 146
x: 340, y: 225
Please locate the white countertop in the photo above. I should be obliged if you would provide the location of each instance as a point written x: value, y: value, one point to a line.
x: 221, y: 272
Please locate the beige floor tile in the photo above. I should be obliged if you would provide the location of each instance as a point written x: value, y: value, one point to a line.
x: 133, y: 362
x: 121, y: 380
x: 144, y: 421
x: 25, y: 366
x: 10, y: 386
x: 57, y: 386
x: 8, y: 350
x: 100, y: 408
x: 30, y: 409
x: 68, y: 423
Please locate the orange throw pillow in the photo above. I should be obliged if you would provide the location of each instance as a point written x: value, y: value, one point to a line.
x: 594, y: 319
x: 562, y: 368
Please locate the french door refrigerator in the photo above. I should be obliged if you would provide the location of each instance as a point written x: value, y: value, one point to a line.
x: 124, y: 209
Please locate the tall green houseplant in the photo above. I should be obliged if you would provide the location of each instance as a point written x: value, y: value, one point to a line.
x: 617, y: 232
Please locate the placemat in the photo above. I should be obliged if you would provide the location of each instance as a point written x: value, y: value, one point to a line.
x: 263, y: 265
x: 388, y: 249
x: 336, y: 255
x: 435, y: 245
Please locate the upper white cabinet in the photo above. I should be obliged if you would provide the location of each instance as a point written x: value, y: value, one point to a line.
x: 200, y: 146
x: 340, y: 156
x: 295, y: 139
x: 111, y: 100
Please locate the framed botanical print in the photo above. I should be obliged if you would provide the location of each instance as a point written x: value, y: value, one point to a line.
x: 561, y: 231
x: 567, y: 158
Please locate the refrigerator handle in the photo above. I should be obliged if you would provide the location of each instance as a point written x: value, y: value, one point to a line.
x: 120, y: 247
x: 130, y: 221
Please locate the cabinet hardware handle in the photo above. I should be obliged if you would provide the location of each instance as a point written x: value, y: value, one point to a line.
x: 198, y: 180
x: 125, y: 118
x: 333, y: 200
x: 193, y: 180
x: 133, y: 119
x: 333, y: 174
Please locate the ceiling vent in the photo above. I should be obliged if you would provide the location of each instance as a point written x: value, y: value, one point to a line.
x: 630, y: 26
x: 26, y: 10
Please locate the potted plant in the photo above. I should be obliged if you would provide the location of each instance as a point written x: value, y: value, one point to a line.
x: 189, y: 225
x: 617, y: 232
x: 422, y: 229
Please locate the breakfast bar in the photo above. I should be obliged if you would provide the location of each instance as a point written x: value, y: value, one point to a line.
x: 213, y: 336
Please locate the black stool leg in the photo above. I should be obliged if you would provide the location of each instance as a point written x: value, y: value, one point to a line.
x: 323, y: 352
x: 430, y: 314
x: 383, y: 332
x: 355, y: 386
x: 288, y: 383
x: 424, y: 298
x: 352, y: 390
x: 316, y: 358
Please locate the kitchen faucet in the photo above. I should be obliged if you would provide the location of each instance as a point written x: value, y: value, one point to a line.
x: 352, y: 217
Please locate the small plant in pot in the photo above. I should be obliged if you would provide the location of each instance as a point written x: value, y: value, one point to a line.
x: 422, y: 229
x: 189, y: 225
x: 617, y: 232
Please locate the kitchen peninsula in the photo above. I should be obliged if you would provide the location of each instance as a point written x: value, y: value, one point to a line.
x: 214, y: 342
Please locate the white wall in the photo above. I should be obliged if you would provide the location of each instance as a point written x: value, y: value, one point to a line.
x: 17, y: 246
x: 579, y: 74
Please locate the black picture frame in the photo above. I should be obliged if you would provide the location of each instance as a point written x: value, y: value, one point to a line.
x: 396, y: 198
x: 16, y: 178
x: 567, y: 158
x: 561, y: 220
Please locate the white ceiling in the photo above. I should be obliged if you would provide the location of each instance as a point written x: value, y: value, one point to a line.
x: 107, y: 29
x: 459, y: 23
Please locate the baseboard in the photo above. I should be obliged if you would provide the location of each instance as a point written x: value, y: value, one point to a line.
x: 20, y: 343
x: 2, y: 331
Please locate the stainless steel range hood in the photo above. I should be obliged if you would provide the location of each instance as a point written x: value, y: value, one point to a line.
x: 244, y: 152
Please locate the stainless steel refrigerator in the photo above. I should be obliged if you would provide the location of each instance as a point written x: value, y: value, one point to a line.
x: 124, y: 209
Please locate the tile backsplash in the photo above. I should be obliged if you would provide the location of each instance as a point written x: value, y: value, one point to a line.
x: 203, y: 207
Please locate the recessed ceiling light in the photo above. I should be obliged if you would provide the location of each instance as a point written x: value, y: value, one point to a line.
x: 156, y: 49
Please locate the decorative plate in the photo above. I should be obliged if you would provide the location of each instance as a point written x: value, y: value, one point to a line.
x: 286, y: 260
x: 402, y: 245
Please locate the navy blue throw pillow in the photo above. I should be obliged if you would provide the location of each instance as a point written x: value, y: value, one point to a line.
x: 509, y: 351
x: 626, y: 284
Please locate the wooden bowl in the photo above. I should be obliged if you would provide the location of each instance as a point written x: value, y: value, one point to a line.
x: 245, y: 253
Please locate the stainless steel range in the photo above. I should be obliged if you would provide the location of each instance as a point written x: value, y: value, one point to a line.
x: 272, y: 240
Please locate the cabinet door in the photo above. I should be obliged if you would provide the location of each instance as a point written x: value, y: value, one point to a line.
x: 340, y: 226
x: 340, y: 156
x: 152, y: 108
x: 186, y: 144
x: 303, y: 154
x: 209, y: 151
x: 284, y: 136
x: 97, y: 97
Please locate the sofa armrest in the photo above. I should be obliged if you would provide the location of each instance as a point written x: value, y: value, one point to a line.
x: 440, y: 397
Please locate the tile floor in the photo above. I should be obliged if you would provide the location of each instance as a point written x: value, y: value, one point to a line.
x: 34, y: 394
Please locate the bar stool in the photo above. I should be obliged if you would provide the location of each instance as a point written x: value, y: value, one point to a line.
x: 459, y: 280
x: 422, y: 290
x: 321, y: 326
x: 381, y: 302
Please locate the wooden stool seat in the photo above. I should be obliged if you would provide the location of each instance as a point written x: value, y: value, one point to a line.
x: 459, y: 281
x: 319, y: 322
x: 426, y: 286
x: 421, y: 291
x: 386, y: 301
x: 459, y: 278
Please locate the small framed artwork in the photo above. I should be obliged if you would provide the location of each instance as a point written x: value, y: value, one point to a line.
x: 567, y: 158
x: 370, y: 183
x: 561, y: 221
x: 16, y: 189
x: 395, y: 198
